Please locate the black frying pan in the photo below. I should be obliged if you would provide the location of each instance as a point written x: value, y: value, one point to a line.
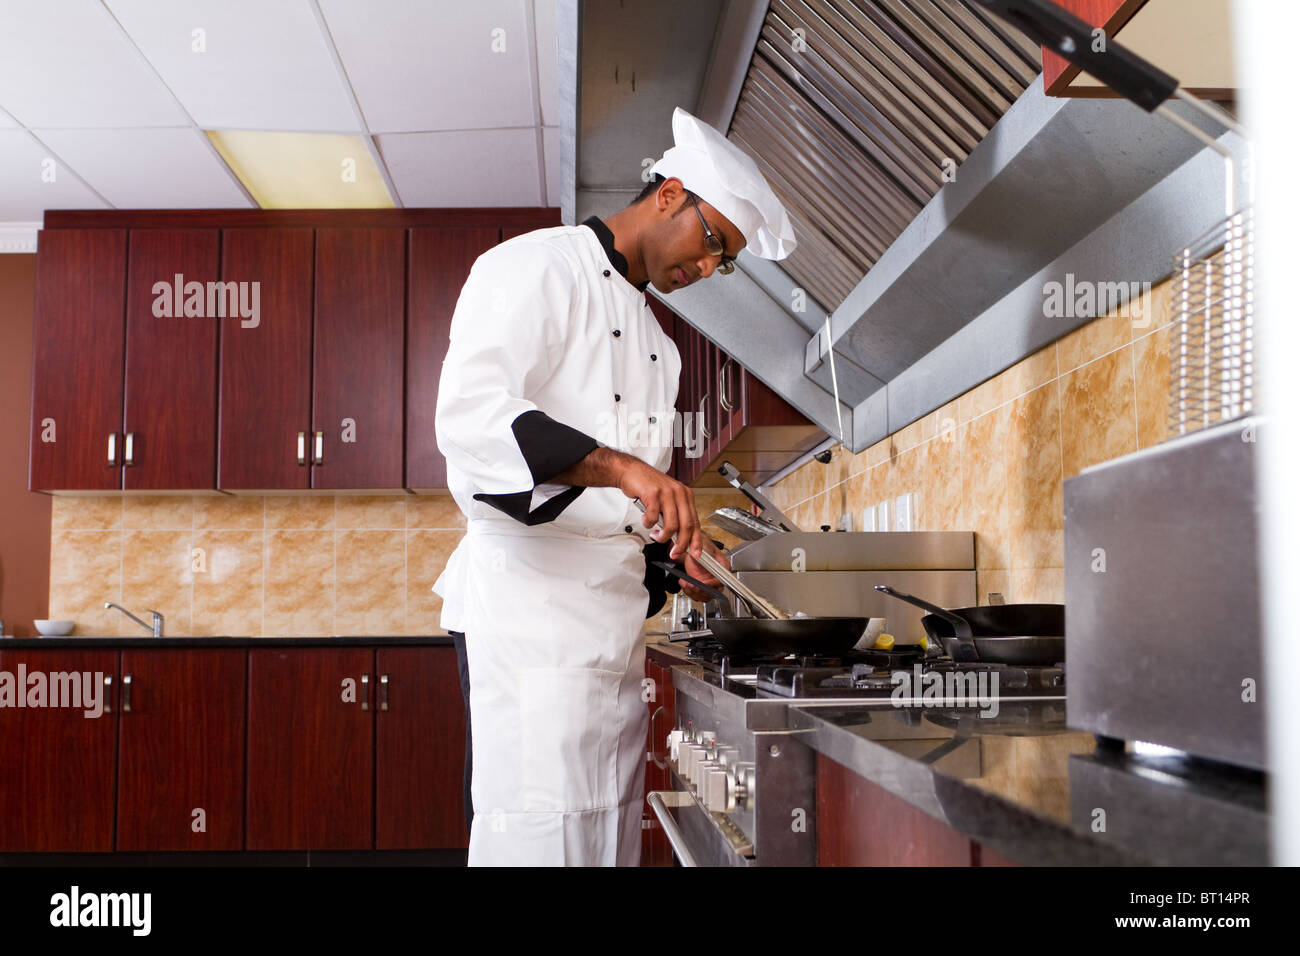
x: 798, y: 635
x: 1025, y: 634
x: 760, y: 635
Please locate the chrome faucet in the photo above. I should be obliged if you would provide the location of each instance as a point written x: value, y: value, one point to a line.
x: 156, y: 626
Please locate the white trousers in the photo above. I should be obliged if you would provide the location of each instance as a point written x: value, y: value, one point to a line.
x: 553, y: 635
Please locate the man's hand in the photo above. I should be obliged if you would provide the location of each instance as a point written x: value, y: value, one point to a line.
x: 697, y: 571
x: 664, y: 498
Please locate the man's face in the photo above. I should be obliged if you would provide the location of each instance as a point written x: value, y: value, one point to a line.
x: 676, y: 254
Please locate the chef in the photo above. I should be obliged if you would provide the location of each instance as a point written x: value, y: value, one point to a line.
x: 555, y: 414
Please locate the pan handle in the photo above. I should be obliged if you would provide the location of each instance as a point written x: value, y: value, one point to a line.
x: 966, y: 650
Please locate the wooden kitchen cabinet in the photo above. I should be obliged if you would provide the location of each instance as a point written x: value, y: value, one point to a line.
x: 78, y: 350
x: 655, y: 848
x: 311, y: 753
x: 57, y: 762
x: 358, y: 354
x: 180, y: 763
x: 266, y: 362
x: 729, y: 415
x: 169, y: 426
x: 439, y: 263
x: 419, y: 750
x: 859, y: 823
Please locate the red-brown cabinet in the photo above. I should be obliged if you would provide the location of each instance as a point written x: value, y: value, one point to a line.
x: 310, y: 745
x: 418, y: 794
x: 440, y: 261
x: 180, y: 755
x: 358, y: 349
x: 727, y: 414
x: 169, y: 426
x: 58, y: 762
x: 266, y: 361
x: 78, y: 348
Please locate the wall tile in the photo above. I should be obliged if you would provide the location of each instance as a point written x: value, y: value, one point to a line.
x: 299, y: 512
x: 1097, y: 412
x: 86, y: 571
x: 370, y: 511
x: 229, y: 512
x: 157, y: 575
x: 943, y: 500
x: 370, y: 576
x: 228, y: 591
x: 158, y: 512
x: 980, y: 399
x: 1031, y: 372
x: 85, y: 514
x: 299, y: 568
x: 1094, y: 340
x: 1039, y: 585
x: 426, y: 557
x: 1035, y: 504
x: 1151, y: 382
x: 984, y: 481
x: 433, y: 511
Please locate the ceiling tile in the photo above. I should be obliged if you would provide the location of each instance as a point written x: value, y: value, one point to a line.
x: 463, y: 168
x: 24, y: 192
x: 148, y: 168
x: 68, y: 64
x: 544, y: 25
x: 264, y: 64
x: 432, y: 66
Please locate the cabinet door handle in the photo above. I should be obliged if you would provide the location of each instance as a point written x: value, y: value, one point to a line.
x: 128, y: 449
x: 302, y: 448
x: 112, y: 449
x: 318, y: 455
x: 383, y: 691
x: 651, y: 756
x: 126, y: 693
x: 704, y: 416
x: 108, y: 693
x: 723, y: 388
x: 365, y: 691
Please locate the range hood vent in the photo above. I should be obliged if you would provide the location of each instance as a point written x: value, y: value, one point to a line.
x: 855, y: 112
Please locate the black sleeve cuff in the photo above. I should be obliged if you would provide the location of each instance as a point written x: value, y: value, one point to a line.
x: 549, y: 448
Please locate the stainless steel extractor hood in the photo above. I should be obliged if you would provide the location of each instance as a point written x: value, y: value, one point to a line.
x: 930, y: 182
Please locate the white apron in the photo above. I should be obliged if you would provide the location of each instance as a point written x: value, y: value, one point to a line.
x: 553, y: 612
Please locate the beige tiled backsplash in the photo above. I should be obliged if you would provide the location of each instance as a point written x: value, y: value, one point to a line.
x: 992, y: 461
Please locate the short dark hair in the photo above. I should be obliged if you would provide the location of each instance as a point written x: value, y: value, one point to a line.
x: 649, y: 189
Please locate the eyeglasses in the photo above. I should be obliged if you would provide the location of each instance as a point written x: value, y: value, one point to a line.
x: 711, y: 242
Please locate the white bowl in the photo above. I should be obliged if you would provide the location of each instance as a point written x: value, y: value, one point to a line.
x: 55, y: 628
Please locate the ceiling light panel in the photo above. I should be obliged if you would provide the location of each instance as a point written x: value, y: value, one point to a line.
x: 303, y: 170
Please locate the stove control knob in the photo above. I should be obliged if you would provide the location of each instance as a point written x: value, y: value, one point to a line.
x: 728, y: 757
x: 716, y: 791
x: 683, y: 758
x: 674, y: 741
x: 743, y: 785
x: 694, y: 756
x: 708, y: 737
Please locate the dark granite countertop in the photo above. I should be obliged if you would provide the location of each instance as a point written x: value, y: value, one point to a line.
x: 131, y: 641
x: 1023, y: 782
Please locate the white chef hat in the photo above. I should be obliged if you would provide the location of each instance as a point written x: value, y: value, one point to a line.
x: 717, y: 171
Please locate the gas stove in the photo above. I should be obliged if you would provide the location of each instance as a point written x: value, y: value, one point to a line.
x: 901, y: 672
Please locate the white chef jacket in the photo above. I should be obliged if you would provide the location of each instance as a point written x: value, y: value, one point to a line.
x: 546, y: 328
x: 552, y: 350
